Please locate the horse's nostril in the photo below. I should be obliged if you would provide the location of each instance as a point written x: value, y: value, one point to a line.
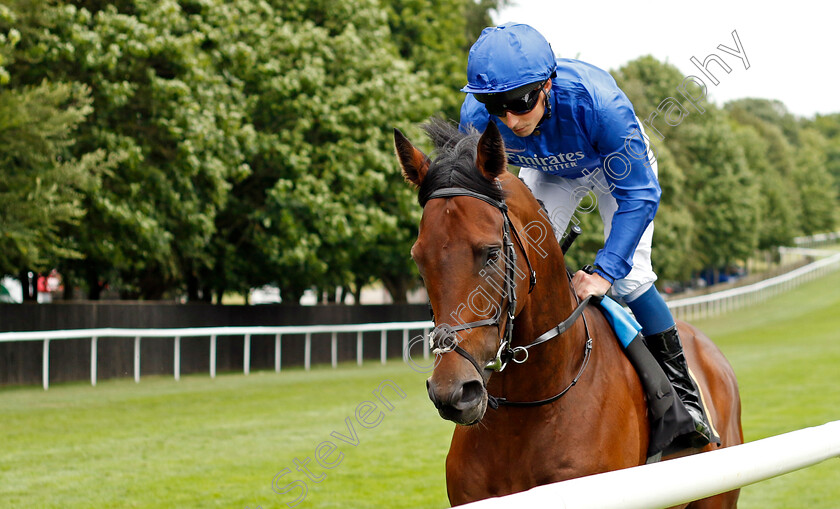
x: 471, y: 393
x: 431, y: 390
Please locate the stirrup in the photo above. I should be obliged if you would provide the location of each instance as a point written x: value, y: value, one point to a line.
x: 703, y: 434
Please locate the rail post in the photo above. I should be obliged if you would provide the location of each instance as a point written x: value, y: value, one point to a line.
x: 177, y: 358
x: 137, y: 360
x: 246, y: 355
x: 93, y: 360
x: 45, y: 374
x: 277, y: 352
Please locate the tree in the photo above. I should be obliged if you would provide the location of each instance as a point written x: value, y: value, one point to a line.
x: 778, y: 222
x: 164, y: 113
x: 431, y: 35
x: 815, y: 183
x: 43, y: 185
x: 9, y: 37
x: 829, y: 127
x: 321, y: 203
x: 723, y: 197
x: 800, y: 156
x: 647, y: 82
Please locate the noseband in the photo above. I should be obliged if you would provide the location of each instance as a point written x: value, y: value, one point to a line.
x: 443, y: 338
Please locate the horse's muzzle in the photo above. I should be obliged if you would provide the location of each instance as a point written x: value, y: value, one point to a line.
x: 461, y: 402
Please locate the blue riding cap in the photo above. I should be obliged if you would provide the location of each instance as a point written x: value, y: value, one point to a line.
x: 507, y: 57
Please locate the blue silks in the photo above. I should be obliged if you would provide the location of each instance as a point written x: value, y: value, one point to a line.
x: 593, y: 132
x: 651, y: 311
x: 625, y: 326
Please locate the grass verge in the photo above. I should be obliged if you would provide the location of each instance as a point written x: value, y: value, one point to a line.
x: 221, y: 443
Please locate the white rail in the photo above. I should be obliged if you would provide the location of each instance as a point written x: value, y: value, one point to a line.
x: 689, y: 308
x: 682, y: 480
x: 819, y: 239
x: 214, y: 332
x: 705, y: 306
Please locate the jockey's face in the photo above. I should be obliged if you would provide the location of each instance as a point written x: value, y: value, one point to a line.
x: 524, y: 124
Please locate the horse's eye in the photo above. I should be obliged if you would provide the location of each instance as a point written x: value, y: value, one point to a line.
x: 493, y: 254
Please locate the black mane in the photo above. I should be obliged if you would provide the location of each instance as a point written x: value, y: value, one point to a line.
x: 454, y: 162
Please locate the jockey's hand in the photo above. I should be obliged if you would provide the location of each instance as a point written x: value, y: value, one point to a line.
x: 589, y: 284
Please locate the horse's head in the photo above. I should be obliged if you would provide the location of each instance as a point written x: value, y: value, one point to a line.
x: 466, y: 254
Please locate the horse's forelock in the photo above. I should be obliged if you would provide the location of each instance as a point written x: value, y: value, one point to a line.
x: 453, y: 164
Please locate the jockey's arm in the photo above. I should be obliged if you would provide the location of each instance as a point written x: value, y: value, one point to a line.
x: 616, y: 134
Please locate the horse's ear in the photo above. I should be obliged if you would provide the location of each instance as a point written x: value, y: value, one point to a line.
x: 414, y: 163
x: 491, y: 159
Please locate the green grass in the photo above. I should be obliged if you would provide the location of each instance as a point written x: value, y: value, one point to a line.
x: 219, y: 443
x: 786, y: 354
x: 203, y: 443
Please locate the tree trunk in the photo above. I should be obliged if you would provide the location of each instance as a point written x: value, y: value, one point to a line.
x: 206, y: 295
x: 192, y: 288
x: 357, y: 290
x: 152, y: 285
x: 398, y: 288
x: 94, y: 286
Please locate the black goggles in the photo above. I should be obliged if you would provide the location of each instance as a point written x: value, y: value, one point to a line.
x: 518, y: 101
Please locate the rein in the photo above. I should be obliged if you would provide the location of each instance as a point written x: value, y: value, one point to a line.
x: 443, y: 339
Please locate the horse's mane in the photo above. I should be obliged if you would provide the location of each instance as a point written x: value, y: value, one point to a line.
x: 454, y: 162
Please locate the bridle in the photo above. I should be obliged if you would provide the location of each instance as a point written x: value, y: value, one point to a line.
x: 444, y: 333
x: 443, y: 340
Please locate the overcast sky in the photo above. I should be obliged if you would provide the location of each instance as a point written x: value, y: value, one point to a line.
x: 793, y: 48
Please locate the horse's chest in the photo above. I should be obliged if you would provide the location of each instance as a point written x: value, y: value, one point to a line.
x: 511, y: 462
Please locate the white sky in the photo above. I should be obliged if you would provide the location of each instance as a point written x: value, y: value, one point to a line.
x: 793, y: 48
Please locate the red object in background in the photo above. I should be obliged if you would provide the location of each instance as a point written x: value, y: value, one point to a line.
x: 49, y: 283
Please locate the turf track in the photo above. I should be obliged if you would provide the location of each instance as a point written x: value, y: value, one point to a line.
x: 219, y: 443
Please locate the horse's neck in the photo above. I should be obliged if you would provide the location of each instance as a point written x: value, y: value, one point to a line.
x: 551, y: 301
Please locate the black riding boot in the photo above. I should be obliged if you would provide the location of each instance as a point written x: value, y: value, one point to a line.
x: 669, y: 418
x: 667, y: 349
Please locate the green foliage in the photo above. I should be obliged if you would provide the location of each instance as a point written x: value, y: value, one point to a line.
x: 253, y: 138
x: 433, y: 44
x: 674, y: 230
x: 799, y: 168
x: 42, y: 185
x: 202, y: 146
x: 322, y: 203
x: 815, y: 183
x: 733, y: 180
x: 829, y: 127
x: 9, y: 37
x: 777, y: 212
x: 724, y: 194
x: 162, y: 111
x: 647, y: 82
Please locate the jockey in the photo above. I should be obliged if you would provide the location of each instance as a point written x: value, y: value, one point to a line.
x: 573, y: 131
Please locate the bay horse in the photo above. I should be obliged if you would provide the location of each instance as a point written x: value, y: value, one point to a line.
x: 553, y: 409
